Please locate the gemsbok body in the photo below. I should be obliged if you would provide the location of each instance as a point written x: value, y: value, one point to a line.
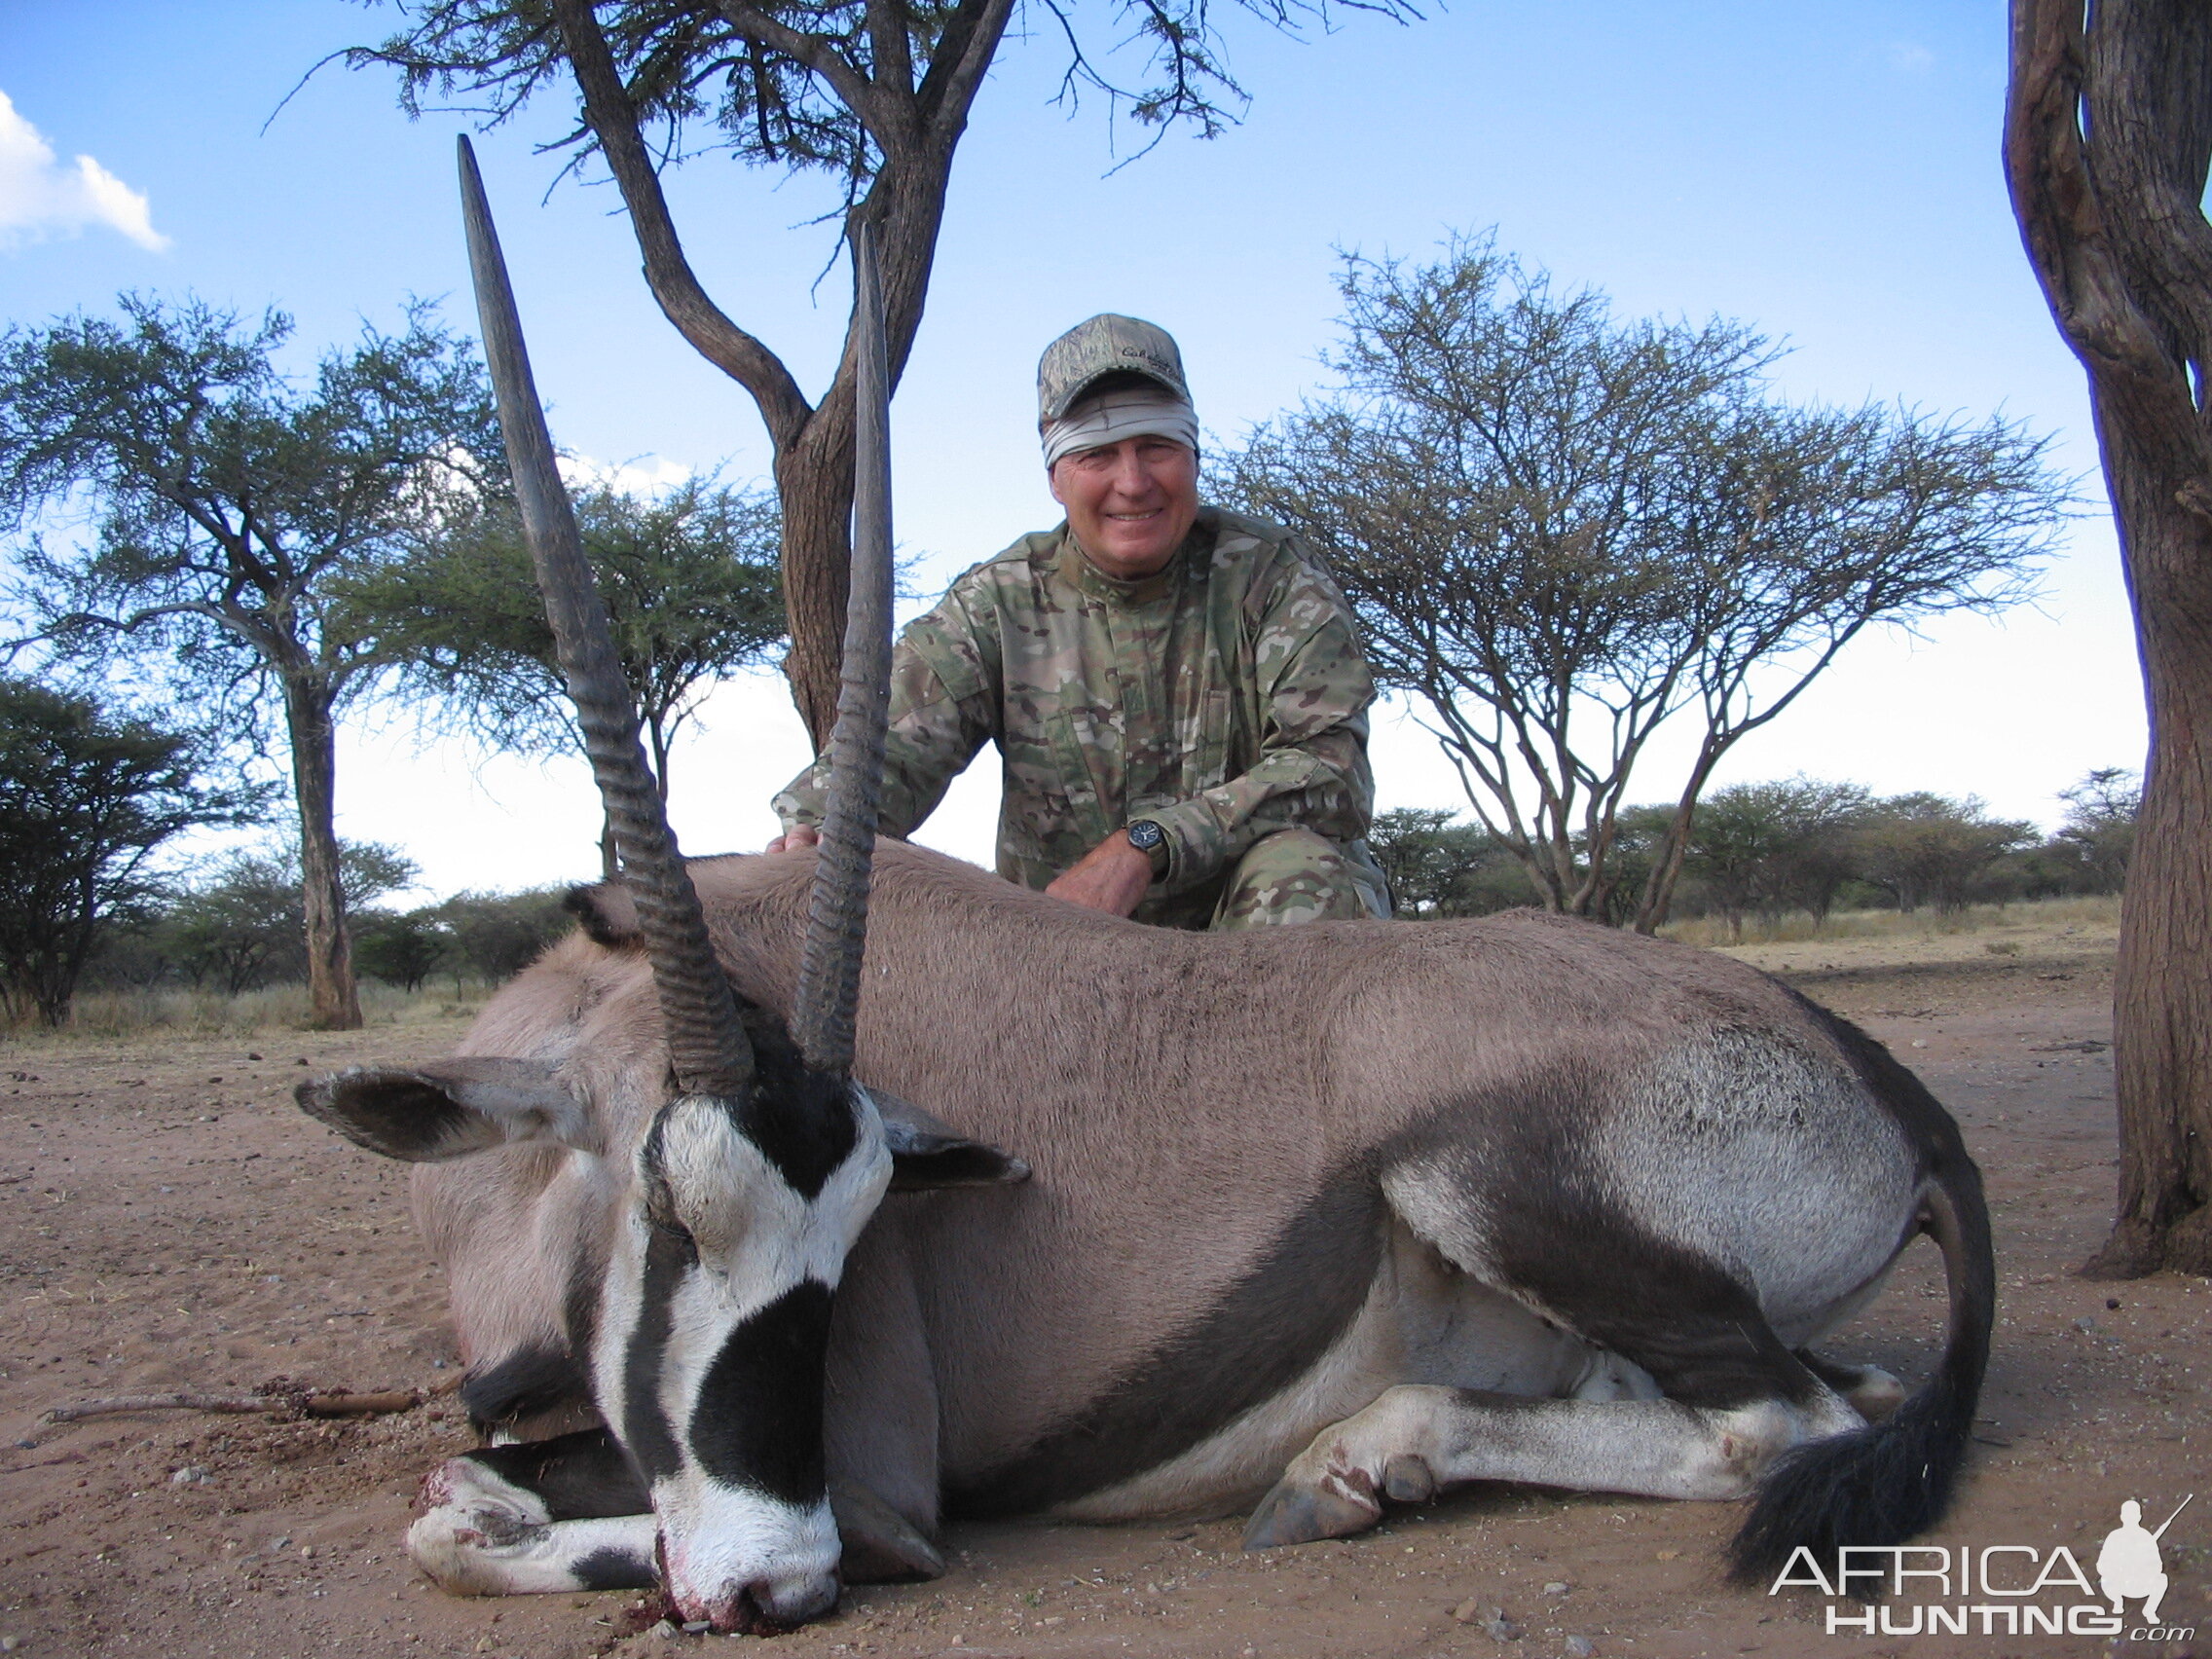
x: 1319, y: 1217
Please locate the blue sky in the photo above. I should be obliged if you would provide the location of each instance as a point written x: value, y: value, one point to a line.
x: 1829, y: 173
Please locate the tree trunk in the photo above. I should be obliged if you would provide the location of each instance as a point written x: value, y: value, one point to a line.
x: 333, y: 1002
x: 2108, y: 135
x: 2161, y: 1021
x: 1675, y: 846
x: 814, y: 469
x: 814, y: 486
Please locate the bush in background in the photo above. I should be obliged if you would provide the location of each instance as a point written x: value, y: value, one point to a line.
x: 1792, y: 846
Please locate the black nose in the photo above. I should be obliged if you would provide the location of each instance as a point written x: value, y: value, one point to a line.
x: 793, y: 1605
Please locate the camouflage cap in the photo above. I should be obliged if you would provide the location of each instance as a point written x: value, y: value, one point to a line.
x: 1105, y: 345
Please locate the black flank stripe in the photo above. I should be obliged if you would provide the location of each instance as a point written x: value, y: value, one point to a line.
x: 1558, y: 1235
x: 758, y: 1419
x: 1267, y: 1332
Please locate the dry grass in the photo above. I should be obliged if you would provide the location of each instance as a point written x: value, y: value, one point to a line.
x: 2030, y: 930
x: 2089, y: 915
x: 105, y: 1016
x: 2055, y: 938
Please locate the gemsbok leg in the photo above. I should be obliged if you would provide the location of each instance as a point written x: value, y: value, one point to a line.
x: 546, y: 1515
x: 569, y: 1513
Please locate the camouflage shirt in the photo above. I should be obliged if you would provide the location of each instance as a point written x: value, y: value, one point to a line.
x: 1224, y: 697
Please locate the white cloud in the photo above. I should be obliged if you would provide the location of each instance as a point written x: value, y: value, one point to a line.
x: 1909, y: 58
x: 39, y: 197
x: 644, y: 477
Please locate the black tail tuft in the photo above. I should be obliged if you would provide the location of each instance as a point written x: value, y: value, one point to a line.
x: 1875, y: 1485
x: 1883, y: 1484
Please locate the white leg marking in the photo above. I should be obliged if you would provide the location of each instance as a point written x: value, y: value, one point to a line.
x: 481, y: 1535
x: 1414, y: 1439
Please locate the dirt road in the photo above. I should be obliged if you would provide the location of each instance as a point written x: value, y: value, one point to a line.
x: 169, y: 1221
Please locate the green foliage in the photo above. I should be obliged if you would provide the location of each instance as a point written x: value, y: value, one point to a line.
x: 691, y: 585
x: 1804, y: 844
x: 240, y: 931
x: 1440, y: 867
x: 1933, y: 850
x: 400, y: 949
x: 224, y: 500
x: 2098, y: 837
x: 495, y: 935
x: 246, y: 927
x: 1562, y: 530
x: 226, y: 505
x: 1811, y: 846
x: 808, y: 86
x: 1772, y: 847
x: 85, y: 799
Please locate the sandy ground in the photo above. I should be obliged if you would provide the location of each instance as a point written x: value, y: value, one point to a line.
x: 169, y: 1221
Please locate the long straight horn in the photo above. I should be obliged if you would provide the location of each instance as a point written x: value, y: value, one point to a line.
x: 706, y: 1040
x: 837, y: 922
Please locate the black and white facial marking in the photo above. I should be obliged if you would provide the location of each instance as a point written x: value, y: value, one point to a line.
x: 713, y: 1329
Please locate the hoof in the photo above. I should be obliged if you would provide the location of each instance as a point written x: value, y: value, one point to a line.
x: 1876, y: 1394
x: 880, y: 1545
x: 1302, y: 1515
x: 460, y: 1551
x: 1406, y: 1479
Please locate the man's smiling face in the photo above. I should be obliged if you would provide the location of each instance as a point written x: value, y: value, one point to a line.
x: 1129, y: 503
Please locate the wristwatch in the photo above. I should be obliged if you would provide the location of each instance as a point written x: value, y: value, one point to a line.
x: 1150, y: 839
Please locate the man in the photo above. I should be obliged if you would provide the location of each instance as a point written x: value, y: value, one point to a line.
x: 1177, y: 691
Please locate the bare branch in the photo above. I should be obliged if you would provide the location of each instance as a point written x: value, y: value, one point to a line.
x: 614, y: 119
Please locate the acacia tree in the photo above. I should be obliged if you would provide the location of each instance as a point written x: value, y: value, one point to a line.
x: 2108, y: 138
x: 1929, y: 849
x: 224, y: 503
x: 2099, y: 831
x: 242, y: 927
x: 690, y: 589
x: 87, y: 798
x: 875, y: 94
x: 1767, y: 847
x: 1561, y: 531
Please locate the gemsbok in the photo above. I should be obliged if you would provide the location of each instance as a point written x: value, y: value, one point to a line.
x: 1314, y: 1218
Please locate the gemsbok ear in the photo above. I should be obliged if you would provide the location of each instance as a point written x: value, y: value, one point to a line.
x: 449, y: 1108
x: 928, y: 1152
x: 608, y: 914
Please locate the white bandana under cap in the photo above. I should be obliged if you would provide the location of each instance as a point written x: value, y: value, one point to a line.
x: 1125, y: 412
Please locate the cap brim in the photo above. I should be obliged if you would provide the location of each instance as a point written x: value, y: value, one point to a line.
x: 1058, y: 409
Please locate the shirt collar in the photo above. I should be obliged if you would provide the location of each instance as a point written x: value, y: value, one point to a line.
x: 1088, y: 578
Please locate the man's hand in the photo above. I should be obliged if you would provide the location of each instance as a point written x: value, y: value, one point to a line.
x: 790, y: 841
x: 1111, y: 877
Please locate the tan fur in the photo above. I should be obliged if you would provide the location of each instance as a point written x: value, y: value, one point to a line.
x: 1178, y: 1095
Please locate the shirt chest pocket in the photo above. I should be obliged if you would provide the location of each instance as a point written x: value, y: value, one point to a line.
x: 1205, y: 740
x: 1057, y: 743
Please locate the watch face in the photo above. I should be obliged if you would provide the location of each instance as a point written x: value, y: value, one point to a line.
x: 1144, y: 834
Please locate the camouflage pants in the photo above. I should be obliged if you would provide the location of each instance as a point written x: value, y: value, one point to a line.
x: 1293, y: 875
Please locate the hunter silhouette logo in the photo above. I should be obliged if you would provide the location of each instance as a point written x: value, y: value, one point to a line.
x: 1993, y: 1589
x: 2129, y: 1564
